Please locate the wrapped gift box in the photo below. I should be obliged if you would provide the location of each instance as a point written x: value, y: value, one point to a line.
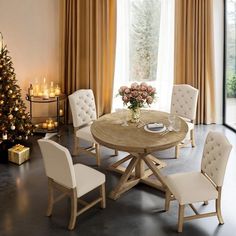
x: 18, y: 154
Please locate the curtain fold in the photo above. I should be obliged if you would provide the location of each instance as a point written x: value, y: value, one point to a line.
x: 194, y: 53
x: 89, y: 49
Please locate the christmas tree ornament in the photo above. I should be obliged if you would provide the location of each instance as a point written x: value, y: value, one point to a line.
x: 10, y: 117
x: 4, y: 136
x: 14, y: 120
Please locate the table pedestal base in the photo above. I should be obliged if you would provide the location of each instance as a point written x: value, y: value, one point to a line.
x: 136, y: 173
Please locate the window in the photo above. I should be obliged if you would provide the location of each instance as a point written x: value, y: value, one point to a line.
x: 144, y: 29
x: 230, y: 65
x: 145, y: 47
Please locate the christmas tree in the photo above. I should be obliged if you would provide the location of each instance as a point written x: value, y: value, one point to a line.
x: 15, y: 122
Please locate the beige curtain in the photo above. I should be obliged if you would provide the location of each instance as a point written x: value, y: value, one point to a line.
x: 194, y: 53
x: 89, y: 48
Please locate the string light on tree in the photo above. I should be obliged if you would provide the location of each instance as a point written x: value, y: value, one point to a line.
x: 15, y: 122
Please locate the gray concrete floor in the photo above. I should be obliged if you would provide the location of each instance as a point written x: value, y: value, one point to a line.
x: 23, y: 198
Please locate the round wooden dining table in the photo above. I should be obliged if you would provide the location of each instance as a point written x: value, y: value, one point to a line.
x: 139, y: 143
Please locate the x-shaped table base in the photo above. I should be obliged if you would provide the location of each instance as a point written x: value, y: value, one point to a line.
x: 136, y: 173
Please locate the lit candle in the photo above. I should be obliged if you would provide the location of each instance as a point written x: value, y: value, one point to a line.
x: 36, y: 90
x: 61, y: 112
x: 52, y: 95
x: 50, y: 120
x: 36, y: 125
x: 57, y: 91
x: 56, y: 123
x: 45, y: 125
x: 45, y: 94
x: 51, y: 126
x: 40, y: 94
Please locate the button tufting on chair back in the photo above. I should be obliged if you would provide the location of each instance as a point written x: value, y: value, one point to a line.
x: 184, y: 101
x: 83, y: 107
x: 215, y: 157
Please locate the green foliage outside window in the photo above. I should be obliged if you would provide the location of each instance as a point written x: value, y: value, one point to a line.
x: 231, y: 86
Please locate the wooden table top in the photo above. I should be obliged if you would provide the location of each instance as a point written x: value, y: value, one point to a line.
x: 108, y: 132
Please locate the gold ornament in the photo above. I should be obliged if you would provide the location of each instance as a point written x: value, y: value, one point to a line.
x: 1, y: 102
x: 13, y: 127
x: 16, y: 109
x: 10, y: 117
x: 10, y: 91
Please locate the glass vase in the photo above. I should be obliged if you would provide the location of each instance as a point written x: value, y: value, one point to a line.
x: 135, y: 115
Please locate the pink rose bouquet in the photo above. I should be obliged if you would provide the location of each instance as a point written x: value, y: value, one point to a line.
x: 137, y: 95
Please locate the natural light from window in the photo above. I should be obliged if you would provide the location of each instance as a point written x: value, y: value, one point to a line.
x: 145, y: 48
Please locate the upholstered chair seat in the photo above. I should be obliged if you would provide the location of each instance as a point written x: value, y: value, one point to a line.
x: 87, y: 179
x: 184, y: 104
x: 193, y: 187
x: 83, y: 109
x: 72, y: 180
x: 85, y: 134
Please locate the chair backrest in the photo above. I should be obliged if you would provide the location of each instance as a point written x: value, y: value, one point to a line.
x: 184, y: 101
x: 58, y: 163
x: 215, y: 156
x: 83, y: 107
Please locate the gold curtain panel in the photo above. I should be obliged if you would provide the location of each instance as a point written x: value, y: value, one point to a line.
x: 194, y: 57
x: 89, y: 48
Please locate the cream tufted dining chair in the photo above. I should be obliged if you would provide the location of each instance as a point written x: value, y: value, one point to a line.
x: 193, y: 187
x: 83, y: 108
x: 184, y: 104
x: 73, y: 180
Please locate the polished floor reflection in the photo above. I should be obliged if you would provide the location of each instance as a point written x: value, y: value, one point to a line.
x: 139, y: 212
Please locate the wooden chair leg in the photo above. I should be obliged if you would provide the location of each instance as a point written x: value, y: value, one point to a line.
x: 103, y: 195
x: 167, y: 201
x: 181, y: 218
x: 50, y: 198
x: 73, y: 197
x: 75, y: 145
x: 116, y: 153
x: 192, y: 137
x: 98, y: 154
x: 218, y: 207
x: 177, y: 151
x: 206, y: 203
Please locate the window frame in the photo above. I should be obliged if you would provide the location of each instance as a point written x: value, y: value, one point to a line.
x: 224, y: 68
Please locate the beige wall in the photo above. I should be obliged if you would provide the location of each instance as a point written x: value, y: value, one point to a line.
x: 32, y: 34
